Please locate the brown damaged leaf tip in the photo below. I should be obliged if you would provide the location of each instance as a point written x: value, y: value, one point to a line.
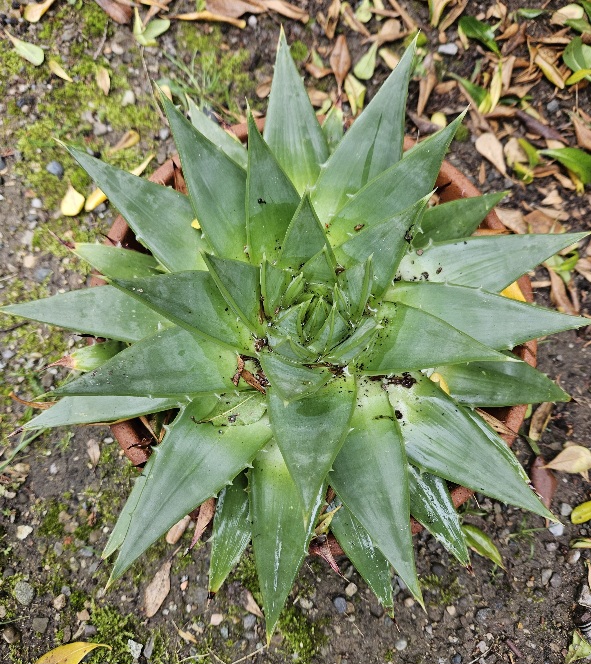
x: 544, y: 480
x: 31, y: 404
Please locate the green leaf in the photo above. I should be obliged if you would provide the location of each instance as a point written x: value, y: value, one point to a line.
x: 396, y: 189
x: 373, y: 456
x: 477, y: 92
x: 490, y: 262
x: 273, y: 284
x: 145, y: 35
x: 272, y: 199
x: 159, y: 216
x: 580, y: 25
x: 578, y: 76
x: 333, y: 331
x: 497, y: 384
x: 291, y: 128
x: 90, y: 357
x: 366, y: 65
x: 192, y: 300
x: 576, y: 160
x: 494, y: 320
x: 578, y: 649
x: 31, y: 52
x: 305, y: 237
x: 476, y: 29
x: 231, y: 531
x: 225, y: 141
x: 453, y: 220
x: 482, y: 544
x: 398, y: 345
x: 216, y: 184
x: 333, y: 127
x: 354, y: 344
x: 385, y: 243
x: 577, y: 55
x: 445, y: 439
x: 87, y: 410
x: 280, y: 534
x: 172, y: 363
x: 239, y: 284
x: 321, y: 268
x: 193, y: 463
x: 371, y: 146
x: 529, y: 13
x: 432, y: 506
x: 310, y: 432
x: 116, y: 262
x: 356, y: 283
x: 292, y: 381
x: 363, y: 553
x: 103, y: 312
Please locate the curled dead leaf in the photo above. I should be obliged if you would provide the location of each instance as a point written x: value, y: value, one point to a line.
x: 340, y: 61
x: 206, y: 512
x: 120, y: 13
x: 210, y: 16
x: 544, y: 480
x: 233, y: 8
x: 157, y: 590
x: 72, y: 203
x: 70, y: 653
x: 248, y: 602
x: 128, y: 140
x: 572, y: 459
x: 103, y: 80
x: 539, y: 421
x: 176, y: 532
x: 34, y: 11
x: 559, y: 296
x: 94, y: 451
x: 286, y: 9
x: 489, y: 146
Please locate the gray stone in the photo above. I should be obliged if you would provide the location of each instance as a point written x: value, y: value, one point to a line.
x: 128, y: 98
x: 553, y: 106
x: 59, y: 602
x: 252, y: 21
x: 340, y: 604
x: 556, y: 580
x: 99, y: 129
x: 456, y: 659
x: 306, y: 603
x: 89, y: 630
x: 24, y: 593
x: 224, y: 631
x: 37, y: 203
x: 351, y: 589
x: 11, y: 634
x: 249, y: 621
x: 2, y: 164
x: 135, y: 648
x: 557, y: 529
x: 401, y: 644
x: 41, y: 273
x: 573, y: 556
x: 546, y: 576
x: 163, y: 133
x: 55, y: 168
x: 376, y: 610
x: 565, y: 509
x: 448, y: 49
x: 40, y: 625
x: 438, y: 569
x: 483, y: 615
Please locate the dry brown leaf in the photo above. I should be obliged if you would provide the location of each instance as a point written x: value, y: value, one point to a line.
x: 332, y: 18
x: 424, y: 126
x: 316, y: 71
x: 208, y: 16
x: 352, y: 21
x: 512, y: 219
x: 103, y: 80
x: 128, y: 140
x: 317, y: 97
x: 514, y: 153
x: 340, y: 61
x: 550, y: 71
x: 572, y: 459
x: 426, y: 84
x: 558, y: 294
x: 233, y: 8
x: 157, y: 590
x: 263, y: 88
x: 390, y: 58
x: 495, y: 424
x: 544, y: 480
x: 540, y: 222
x: 248, y: 602
x: 489, y: 146
x: 553, y: 198
x: 286, y: 9
x: 93, y: 450
x: 568, y: 13
x: 206, y: 512
x: 454, y: 14
x: 583, y: 267
x: 390, y: 31
x: 34, y: 11
x: 405, y: 16
x: 582, y: 131
x: 186, y: 636
x: 177, y: 531
x: 539, y: 421
x: 119, y: 13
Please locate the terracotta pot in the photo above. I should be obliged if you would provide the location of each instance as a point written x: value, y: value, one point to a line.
x: 133, y: 437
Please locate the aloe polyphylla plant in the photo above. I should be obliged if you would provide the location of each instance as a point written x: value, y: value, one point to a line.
x: 294, y: 312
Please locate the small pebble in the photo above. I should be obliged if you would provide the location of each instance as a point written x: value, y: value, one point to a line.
x: 128, y: 98
x: 135, y: 648
x: 29, y: 261
x: 163, y: 133
x: 89, y: 630
x: 448, y: 49
x: 585, y: 597
x: 552, y: 546
x: 22, y: 532
x: 24, y: 593
x: 546, y: 576
x: 350, y: 590
x: 565, y: 509
x: 40, y: 625
x: 438, y: 569
x: 456, y: 659
x: 451, y: 610
x: 483, y: 615
x: 573, y: 557
x: 117, y: 48
x: 556, y: 580
x: 11, y: 634
x: 557, y: 529
x: 55, y: 168
x: 59, y: 602
x: 83, y: 615
x: 401, y: 644
x: 376, y: 610
x: 252, y: 21
x: 224, y: 632
x: 216, y: 619
x: 99, y: 129
x: 37, y: 203
x: 482, y: 646
x: 306, y: 603
x: 553, y: 106
x: 408, y: 602
x: 249, y: 621
x: 340, y: 604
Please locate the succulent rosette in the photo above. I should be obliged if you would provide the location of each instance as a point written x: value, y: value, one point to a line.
x: 311, y: 321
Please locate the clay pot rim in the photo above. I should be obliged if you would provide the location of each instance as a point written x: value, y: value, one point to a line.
x: 134, y: 439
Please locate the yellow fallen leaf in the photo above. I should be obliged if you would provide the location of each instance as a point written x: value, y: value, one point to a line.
x: 389, y: 57
x: 355, y: 91
x: 572, y: 459
x: 439, y: 119
x: 98, y: 196
x: 128, y: 140
x: 440, y: 380
x: 33, y: 11
x: 491, y: 149
x: 58, y: 70
x: 581, y: 513
x: 103, y: 80
x: 186, y: 636
x: 70, y: 653
x: 157, y: 590
x: 209, y: 16
x: 195, y: 224
x: 513, y: 292
x: 549, y: 71
x: 72, y: 203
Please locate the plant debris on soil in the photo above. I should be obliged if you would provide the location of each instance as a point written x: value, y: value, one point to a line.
x: 82, y: 73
